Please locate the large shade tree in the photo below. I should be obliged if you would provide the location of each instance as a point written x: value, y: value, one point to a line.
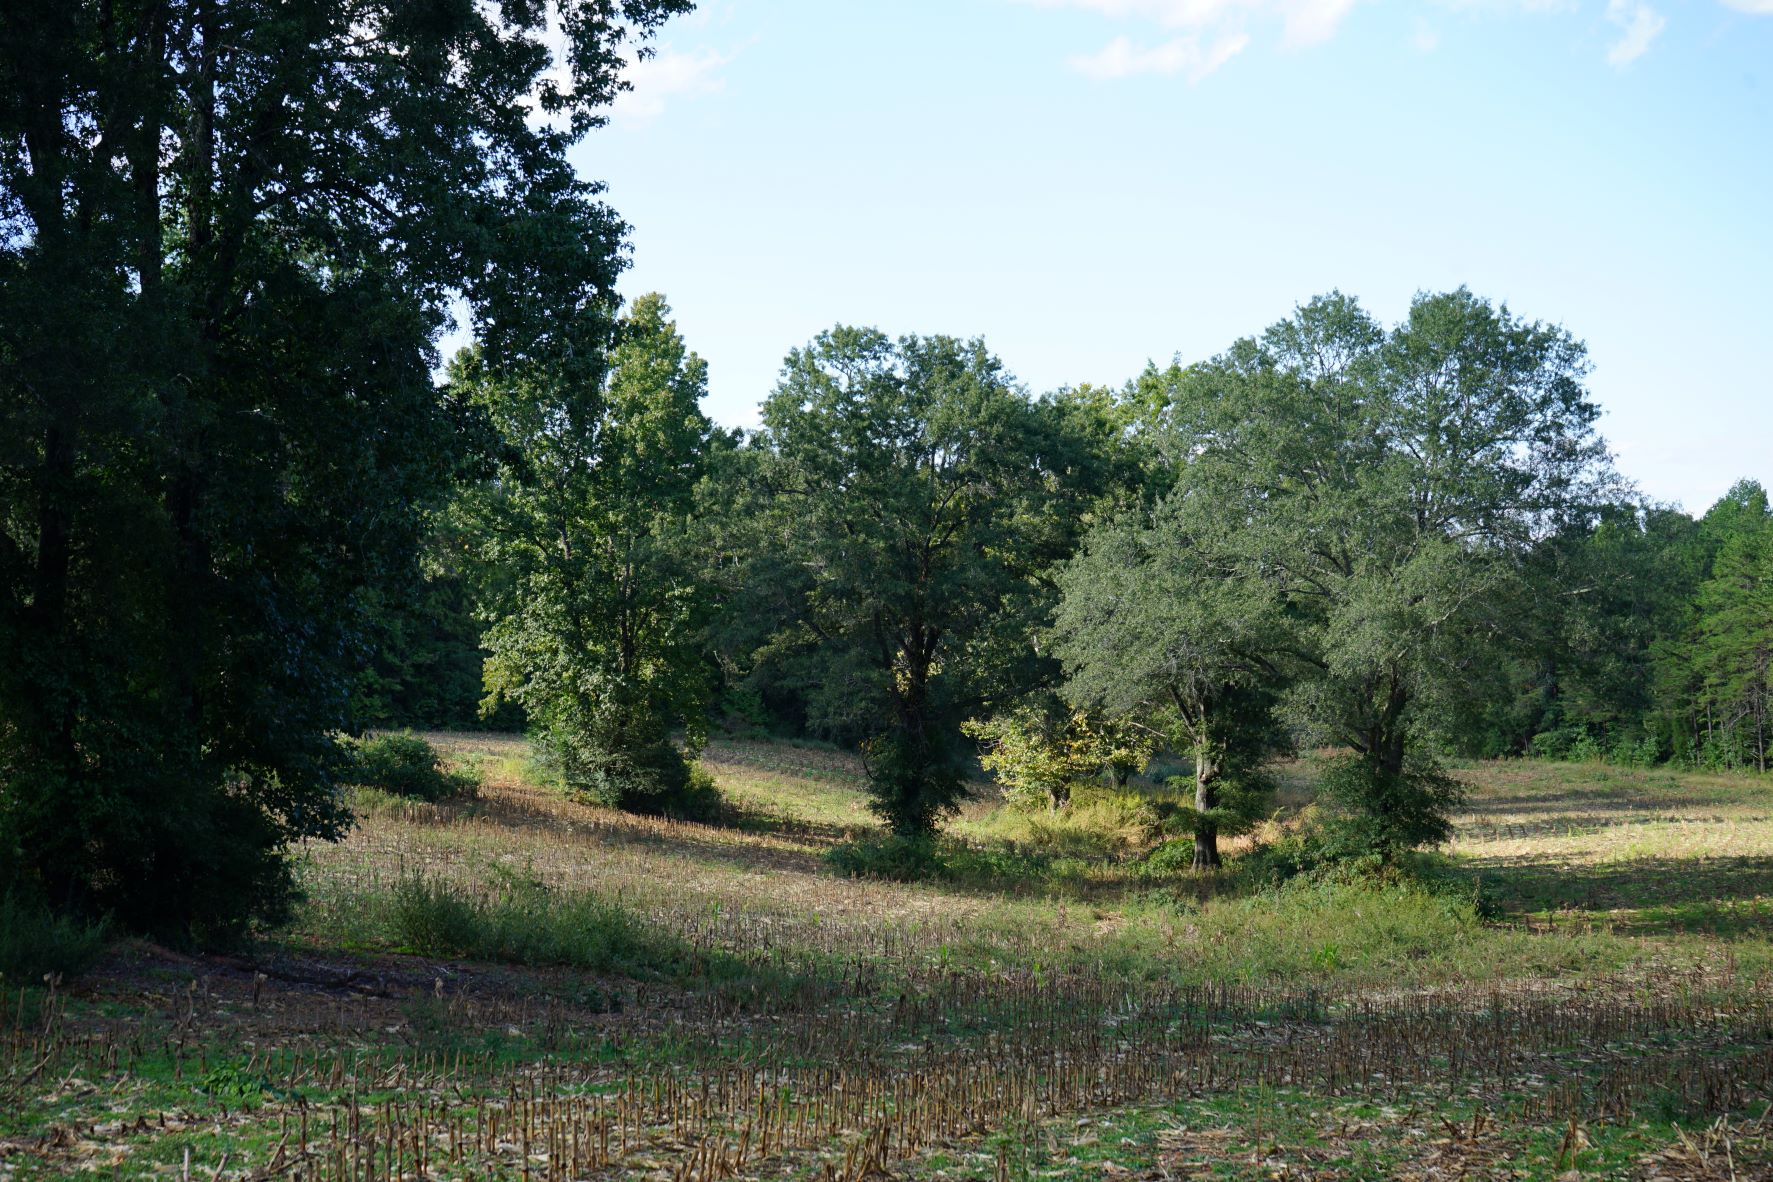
x: 1388, y: 486
x: 229, y: 232
x: 916, y: 499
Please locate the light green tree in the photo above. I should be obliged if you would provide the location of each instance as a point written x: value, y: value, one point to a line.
x: 1040, y: 749
x: 594, y: 626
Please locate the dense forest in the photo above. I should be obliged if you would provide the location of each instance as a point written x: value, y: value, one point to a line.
x: 248, y: 512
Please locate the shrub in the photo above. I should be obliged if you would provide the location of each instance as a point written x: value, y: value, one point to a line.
x: 1643, y: 751
x: 651, y: 780
x: 1380, y: 814
x: 699, y: 799
x: 1175, y: 856
x: 1100, y: 822
x: 894, y: 857
x: 406, y: 765
x: 1585, y: 749
x: 35, y: 941
x: 1000, y: 866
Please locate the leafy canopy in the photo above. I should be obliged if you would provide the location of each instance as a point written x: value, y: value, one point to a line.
x: 229, y: 233
x: 917, y: 496
x: 595, y: 618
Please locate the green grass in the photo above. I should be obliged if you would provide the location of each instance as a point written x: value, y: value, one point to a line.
x: 523, y: 936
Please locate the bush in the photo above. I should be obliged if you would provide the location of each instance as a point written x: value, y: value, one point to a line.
x: 1380, y: 814
x: 34, y: 941
x: 894, y: 857
x: 699, y: 799
x: 1100, y: 822
x: 653, y: 780
x: 406, y: 765
x: 999, y: 866
x: 1642, y: 751
x: 1175, y: 856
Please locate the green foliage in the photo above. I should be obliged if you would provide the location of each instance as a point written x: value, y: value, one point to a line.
x: 427, y: 664
x: 595, y: 622
x: 1380, y: 813
x: 1171, y: 857
x: 1100, y: 823
x: 406, y: 765
x: 35, y: 941
x: 1039, y: 750
x: 987, y: 866
x: 229, y: 234
x: 911, y: 496
x: 893, y: 858
x: 1154, y: 631
x: 1730, y: 659
x: 520, y: 921
x: 1373, y: 496
x: 1322, y: 925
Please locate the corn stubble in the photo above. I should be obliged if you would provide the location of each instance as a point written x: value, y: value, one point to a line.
x: 844, y: 1092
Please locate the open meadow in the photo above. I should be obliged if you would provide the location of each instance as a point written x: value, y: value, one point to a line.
x: 521, y: 987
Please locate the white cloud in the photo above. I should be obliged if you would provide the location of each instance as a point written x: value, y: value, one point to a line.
x: 1509, y: 6
x: 1120, y: 58
x: 668, y: 74
x: 1425, y: 39
x: 1211, y: 31
x: 1640, y: 25
x: 1758, y: 7
x: 1306, y: 22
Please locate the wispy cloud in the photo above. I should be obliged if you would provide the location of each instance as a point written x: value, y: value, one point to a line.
x: 1205, y: 33
x: 667, y: 75
x: 1639, y: 24
x: 1120, y: 58
x: 1758, y: 7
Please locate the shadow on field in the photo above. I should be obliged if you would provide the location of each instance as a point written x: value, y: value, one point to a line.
x: 537, y: 811
x: 1725, y: 896
x: 756, y: 821
x: 1509, y: 825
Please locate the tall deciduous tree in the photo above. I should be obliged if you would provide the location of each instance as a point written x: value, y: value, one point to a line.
x: 1154, y: 629
x: 595, y: 628
x: 229, y: 231
x: 1388, y: 486
x: 920, y: 496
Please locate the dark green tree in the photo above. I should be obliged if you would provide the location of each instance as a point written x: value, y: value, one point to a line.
x: 1725, y: 668
x: 1389, y: 485
x: 1611, y: 595
x: 916, y: 498
x: 596, y: 629
x: 229, y: 232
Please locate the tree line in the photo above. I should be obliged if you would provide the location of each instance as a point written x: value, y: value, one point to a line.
x: 1401, y: 542
x: 241, y: 517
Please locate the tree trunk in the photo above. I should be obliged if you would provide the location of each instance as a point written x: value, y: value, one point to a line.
x: 1206, y: 798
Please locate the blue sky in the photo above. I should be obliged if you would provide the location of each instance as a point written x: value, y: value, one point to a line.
x: 1089, y: 184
